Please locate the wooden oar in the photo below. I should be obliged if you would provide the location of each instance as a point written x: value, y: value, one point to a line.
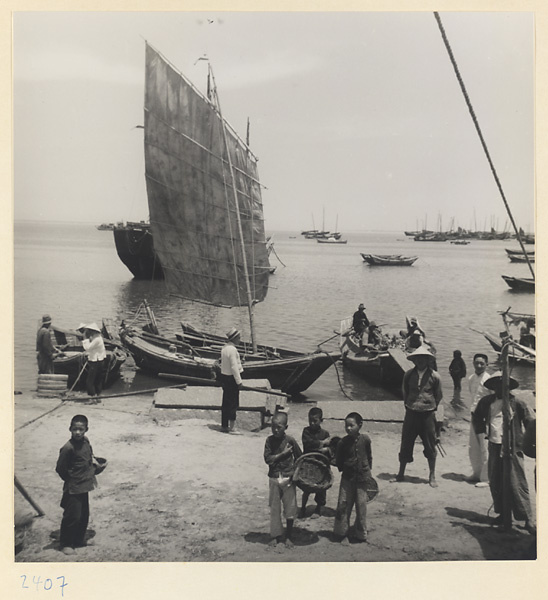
x: 215, y: 383
x: 135, y: 393
x: 27, y: 497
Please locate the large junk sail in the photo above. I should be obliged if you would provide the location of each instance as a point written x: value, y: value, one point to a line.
x: 190, y: 187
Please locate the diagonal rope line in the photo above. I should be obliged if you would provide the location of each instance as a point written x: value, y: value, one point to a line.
x: 476, y: 124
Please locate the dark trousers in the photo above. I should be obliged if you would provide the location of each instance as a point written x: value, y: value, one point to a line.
x: 231, y: 399
x: 519, y: 490
x: 45, y: 364
x: 75, y: 519
x: 320, y: 497
x: 423, y: 425
x: 456, y: 382
x: 94, y: 381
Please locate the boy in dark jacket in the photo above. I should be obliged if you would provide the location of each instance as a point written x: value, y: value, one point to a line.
x: 76, y: 467
x: 354, y: 460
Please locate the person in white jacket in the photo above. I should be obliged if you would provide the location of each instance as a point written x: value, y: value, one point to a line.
x: 231, y: 381
x: 96, y: 355
x: 477, y: 449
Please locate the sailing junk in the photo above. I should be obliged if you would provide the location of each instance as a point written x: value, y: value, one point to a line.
x: 207, y: 222
x: 199, y: 196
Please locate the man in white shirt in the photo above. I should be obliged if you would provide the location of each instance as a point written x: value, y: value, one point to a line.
x: 231, y: 381
x: 477, y: 450
x: 96, y: 353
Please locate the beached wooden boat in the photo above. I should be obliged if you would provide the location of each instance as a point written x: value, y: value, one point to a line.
x: 72, y: 361
x: 384, y: 364
x: 520, y: 284
x: 389, y: 260
x: 197, y: 354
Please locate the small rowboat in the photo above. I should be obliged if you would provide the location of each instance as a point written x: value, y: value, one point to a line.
x: 519, y: 252
x: 520, y: 284
x: 389, y: 260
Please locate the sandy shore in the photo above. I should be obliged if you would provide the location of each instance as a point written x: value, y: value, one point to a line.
x: 177, y: 489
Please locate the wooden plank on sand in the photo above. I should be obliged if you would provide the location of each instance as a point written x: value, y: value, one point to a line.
x: 210, y: 398
x: 389, y: 410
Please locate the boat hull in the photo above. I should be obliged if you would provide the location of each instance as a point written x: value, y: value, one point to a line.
x: 520, y: 284
x: 388, y: 260
x: 135, y: 248
x: 381, y: 370
x: 291, y: 374
x: 71, y: 363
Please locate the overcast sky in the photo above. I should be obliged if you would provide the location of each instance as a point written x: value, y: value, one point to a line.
x: 357, y: 114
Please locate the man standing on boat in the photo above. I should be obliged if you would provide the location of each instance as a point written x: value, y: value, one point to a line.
x: 45, y: 350
x: 422, y: 394
x: 360, y: 322
x: 231, y: 381
x: 94, y: 348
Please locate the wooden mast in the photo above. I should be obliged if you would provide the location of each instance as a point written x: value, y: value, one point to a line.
x: 238, y: 219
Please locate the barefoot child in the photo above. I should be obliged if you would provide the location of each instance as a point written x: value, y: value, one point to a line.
x: 355, y: 460
x: 315, y: 439
x: 280, y: 453
x: 76, y: 467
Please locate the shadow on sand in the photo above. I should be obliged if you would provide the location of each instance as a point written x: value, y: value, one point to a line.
x: 495, y: 543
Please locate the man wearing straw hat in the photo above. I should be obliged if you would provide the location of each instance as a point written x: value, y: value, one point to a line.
x: 231, y: 381
x: 45, y: 350
x: 422, y: 394
x: 488, y: 419
x: 94, y: 347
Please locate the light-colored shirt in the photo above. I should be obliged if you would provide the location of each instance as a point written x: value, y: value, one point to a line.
x: 95, y: 349
x: 495, y: 422
x: 230, y: 362
x: 477, y: 389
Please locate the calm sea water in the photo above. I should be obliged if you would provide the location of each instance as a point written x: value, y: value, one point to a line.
x: 72, y: 271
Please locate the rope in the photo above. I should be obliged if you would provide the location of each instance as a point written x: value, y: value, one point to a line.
x: 484, y: 145
x: 334, y: 362
x: 36, y: 419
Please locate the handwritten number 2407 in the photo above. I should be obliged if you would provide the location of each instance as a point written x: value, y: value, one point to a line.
x: 47, y: 584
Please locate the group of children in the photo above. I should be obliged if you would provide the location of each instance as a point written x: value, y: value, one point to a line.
x: 353, y: 459
x: 77, y: 467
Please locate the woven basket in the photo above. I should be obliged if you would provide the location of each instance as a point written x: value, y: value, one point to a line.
x: 101, y: 465
x: 372, y: 488
x: 313, y: 472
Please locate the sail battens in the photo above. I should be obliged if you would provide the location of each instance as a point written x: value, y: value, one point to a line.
x: 220, y: 158
x: 243, y: 213
x: 194, y: 200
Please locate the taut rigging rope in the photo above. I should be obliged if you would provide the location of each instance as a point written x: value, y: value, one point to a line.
x: 476, y: 124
